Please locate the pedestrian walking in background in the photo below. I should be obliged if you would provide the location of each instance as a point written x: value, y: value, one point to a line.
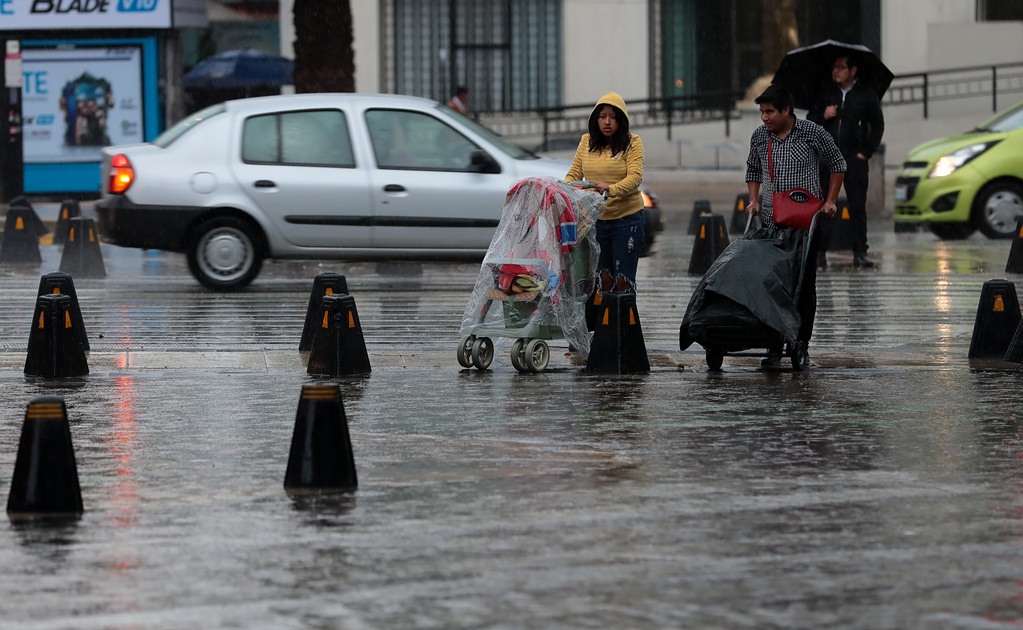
x: 850, y: 111
x: 612, y: 158
x: 460, y: 101
x: 798, y: 149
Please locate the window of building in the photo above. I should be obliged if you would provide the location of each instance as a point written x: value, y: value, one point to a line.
x: 507, y: 52
x: 307, y: 138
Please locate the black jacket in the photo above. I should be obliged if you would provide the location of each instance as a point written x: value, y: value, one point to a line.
x: 859, y: 125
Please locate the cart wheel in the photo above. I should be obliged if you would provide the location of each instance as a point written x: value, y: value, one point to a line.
x: 482, y: 352
x: 537, y: 355
x: 714, y: 360
x: 464, y: 352
x: 518, y: 355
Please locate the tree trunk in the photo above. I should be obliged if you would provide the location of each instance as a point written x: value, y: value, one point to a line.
x: 324, y: 58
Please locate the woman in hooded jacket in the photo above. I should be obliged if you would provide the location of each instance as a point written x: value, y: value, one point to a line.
x: 611, y: 158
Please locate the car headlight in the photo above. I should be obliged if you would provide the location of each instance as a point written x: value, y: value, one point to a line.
x: 949, y: 163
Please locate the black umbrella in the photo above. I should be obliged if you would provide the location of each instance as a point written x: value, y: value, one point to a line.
x: 234, y: 69
x: 806, y: 71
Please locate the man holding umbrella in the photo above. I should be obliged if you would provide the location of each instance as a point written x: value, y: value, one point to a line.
x: 850, y: 110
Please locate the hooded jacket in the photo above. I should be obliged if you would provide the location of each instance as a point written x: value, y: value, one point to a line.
x: 623, y: 173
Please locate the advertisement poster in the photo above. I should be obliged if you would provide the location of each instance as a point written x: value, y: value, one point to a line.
x: 77, y: 100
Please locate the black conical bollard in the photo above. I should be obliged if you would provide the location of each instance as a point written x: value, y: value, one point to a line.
x: 617, y: 346
x: 1014, y: 353
x: 20, y: 243
x: 700, y: 208
x: 739, y: 216
x: 69, y: 209
x: 54, y: 347
x: 326, y: 283
x: 82, y: 257
x: 1015, y: 262
x: 998, y: 317
x: 45, y: 481
x: 711, y: 240
x: 840, y: 232
x: 339, y: 347
x: 321, y: 447
x: 60, y: 283
x: 35, y: 224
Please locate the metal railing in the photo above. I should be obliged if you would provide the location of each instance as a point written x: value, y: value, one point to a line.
x: 567, y: 123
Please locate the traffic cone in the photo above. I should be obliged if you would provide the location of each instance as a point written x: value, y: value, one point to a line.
x: 45, y: 481
x: 82, y: 257
x: 326, y: 283
x: 69, y: 209
x: 321, y: 447
x: 20, y: 244
x: 840, y: 232
x: 60, y: 283
x: 998, y: 317
x: 700, y: 208
x: 54, y: 346
x: 339, y: 348
x: 1015, y: 262
x: 711, y: 240
x: 739, y: 216
x: 617, y: 346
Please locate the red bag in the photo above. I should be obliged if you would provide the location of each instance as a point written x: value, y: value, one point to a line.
x: 793, y: 208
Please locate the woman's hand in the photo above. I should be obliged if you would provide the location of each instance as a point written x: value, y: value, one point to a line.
x: 829, y: 208
x: 753, y: 207
x: 601, y: 187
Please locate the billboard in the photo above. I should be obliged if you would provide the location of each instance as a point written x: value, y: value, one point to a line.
x: 52, y: 15
x: 76, y: 100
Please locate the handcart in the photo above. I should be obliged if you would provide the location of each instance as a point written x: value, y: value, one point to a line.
x: 749, y: 297
x: 536, y: 277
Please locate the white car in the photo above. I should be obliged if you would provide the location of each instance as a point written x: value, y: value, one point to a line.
x: 336, y: 176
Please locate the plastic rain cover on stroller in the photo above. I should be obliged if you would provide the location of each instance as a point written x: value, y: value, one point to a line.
x: 540, y: 267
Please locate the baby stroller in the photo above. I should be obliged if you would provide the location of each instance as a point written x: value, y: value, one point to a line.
x: 540, y: 269
x: 749, y: 297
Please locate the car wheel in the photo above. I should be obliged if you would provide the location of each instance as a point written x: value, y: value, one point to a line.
x: 225, y: 253
x: 998, y: 209
x: 951, y: 231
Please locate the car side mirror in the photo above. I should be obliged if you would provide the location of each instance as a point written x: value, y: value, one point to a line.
x: 484, y: 163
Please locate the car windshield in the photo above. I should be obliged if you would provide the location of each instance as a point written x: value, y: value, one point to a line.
x: 165, y: 139
x: 513, y: 150
x: 1006, y: 121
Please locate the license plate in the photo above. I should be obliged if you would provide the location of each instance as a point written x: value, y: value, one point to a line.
x: 900, y: 192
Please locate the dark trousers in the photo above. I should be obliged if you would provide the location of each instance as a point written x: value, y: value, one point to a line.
x: 857, y: 178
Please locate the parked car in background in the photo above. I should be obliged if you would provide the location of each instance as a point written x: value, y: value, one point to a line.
x: 330, y: 176
x: 970, y: 181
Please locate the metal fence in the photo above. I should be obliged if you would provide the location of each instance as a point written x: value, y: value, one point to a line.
x: 560, y: 128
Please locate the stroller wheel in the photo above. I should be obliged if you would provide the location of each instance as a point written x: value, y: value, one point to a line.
x: 482, y: 352
x: 464, y: 352
x: 714, y: 360
x: 537, y: 355
x: 518, y: 355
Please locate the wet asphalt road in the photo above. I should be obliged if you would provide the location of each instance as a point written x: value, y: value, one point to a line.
x: 880, y: 489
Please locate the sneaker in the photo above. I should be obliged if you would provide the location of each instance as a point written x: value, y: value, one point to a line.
x: 861, y: 260
x: 773, y: 358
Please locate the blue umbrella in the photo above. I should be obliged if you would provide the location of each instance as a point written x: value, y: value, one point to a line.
x: 234, y: 69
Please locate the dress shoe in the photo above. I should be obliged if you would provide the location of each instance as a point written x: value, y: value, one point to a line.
x: 822, y: 261
x: 773, y: 358
x: 803, y: 354
x: 861, y: 260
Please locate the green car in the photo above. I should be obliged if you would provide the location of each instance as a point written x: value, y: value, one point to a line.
x: 971, y: 181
